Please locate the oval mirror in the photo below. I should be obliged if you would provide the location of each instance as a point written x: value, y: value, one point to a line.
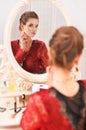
x: 51, y: 14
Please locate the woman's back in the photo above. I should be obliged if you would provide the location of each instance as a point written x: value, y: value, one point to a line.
x: 49, y: 109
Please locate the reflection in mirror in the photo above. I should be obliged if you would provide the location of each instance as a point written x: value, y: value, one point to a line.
x: 51, y: 16
x: 47, y: 22
x: 31, y: 54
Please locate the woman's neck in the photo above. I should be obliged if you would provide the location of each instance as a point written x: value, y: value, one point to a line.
x: 63, y: 81
x: 60, y: 74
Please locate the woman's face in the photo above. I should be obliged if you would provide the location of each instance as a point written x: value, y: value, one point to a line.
x: 31, y: 26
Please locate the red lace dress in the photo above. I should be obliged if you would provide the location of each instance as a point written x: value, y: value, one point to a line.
x: 45, y: 111
x: 35, y: 60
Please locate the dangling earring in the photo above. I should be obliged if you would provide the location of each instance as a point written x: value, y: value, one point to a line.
x: 76, y: 68
x: 78, y: 73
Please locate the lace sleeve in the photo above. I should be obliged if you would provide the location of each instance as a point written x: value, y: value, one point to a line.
x: 34, y: 114
x: 43, y: 113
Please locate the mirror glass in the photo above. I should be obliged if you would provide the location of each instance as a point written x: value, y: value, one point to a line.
x: 51, y: 16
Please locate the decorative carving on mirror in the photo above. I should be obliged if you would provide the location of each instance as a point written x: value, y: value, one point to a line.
x: 8, y: 76
x: 47, y: 10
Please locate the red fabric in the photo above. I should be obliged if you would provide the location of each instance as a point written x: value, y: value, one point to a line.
x: 35, y: 60
x: 43, y: 113
x: 84, y: 82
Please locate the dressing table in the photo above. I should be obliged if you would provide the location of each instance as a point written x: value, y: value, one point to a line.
x: 11, y: 108
x: 23, y: 79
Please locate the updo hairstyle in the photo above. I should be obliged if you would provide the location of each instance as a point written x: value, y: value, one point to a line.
x: 27, y: 15
x: 65, y: 45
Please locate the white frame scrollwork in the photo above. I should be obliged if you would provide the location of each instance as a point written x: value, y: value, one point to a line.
x: 38, y: 78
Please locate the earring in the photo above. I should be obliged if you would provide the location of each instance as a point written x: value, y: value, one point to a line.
x: 77, y: 69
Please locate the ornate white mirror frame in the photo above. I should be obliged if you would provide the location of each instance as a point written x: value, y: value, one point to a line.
x: 38, y: 78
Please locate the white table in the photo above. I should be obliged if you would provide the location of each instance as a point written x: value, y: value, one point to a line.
x: 7, y: 122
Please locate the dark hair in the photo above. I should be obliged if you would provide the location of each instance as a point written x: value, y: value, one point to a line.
x: 27, y: 15
x: 65, y: 45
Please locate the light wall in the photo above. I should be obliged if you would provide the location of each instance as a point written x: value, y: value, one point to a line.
x: 5, y: 8
x: 75, y: 9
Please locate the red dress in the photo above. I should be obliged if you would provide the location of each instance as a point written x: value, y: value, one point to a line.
x: 35, y: 60
x: 45, y: 111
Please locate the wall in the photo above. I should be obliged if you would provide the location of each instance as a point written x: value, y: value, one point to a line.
x: 5, y: 8
x: 75, y: 10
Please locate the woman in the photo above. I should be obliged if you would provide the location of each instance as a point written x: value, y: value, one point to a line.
x: 30, y: 54
x: 63, y: 105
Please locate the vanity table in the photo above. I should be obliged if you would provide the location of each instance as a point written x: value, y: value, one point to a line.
x: 9, y: 123
x: 10, y: 114
x: 9, y: 120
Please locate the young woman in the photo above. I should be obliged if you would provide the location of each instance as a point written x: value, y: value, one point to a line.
x: 30, y: 54
x: 63, y: 105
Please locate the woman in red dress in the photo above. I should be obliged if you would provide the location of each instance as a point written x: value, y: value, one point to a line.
x: 63, y: 105
x: 30, y: 54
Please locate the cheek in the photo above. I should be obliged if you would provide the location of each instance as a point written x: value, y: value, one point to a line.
x: 28, y: 28
x: 36, y: 29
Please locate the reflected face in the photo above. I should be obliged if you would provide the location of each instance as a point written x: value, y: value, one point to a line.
x: 31, y: 27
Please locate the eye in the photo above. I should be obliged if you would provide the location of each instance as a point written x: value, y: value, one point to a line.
x: 36, y: 26
x: 30, y: 25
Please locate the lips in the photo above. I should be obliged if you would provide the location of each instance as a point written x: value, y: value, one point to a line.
x: 34, y: 33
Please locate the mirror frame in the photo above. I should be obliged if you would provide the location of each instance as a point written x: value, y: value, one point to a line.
x: 1, y: 57
x: 38, y: 78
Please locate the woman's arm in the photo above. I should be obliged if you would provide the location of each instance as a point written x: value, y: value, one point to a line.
x: 43, y: 56
x: 21, y: 48
x: 18, y: 53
